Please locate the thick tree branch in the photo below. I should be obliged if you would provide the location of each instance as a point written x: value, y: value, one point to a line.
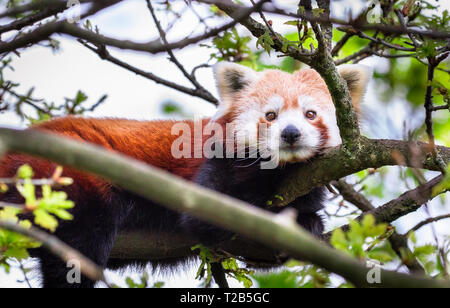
x: 276, y: 231
x: 407, y: 203
x: 337, y: 163
x: 346, y: 117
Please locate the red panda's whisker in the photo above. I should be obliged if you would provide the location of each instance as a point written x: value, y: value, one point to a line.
x: 253, y: 163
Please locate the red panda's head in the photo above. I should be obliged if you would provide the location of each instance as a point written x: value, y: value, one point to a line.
x: 296, y: 109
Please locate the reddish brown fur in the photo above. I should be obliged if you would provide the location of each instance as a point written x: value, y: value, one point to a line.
x: 323, y: 130
x: 290, y: 87
x: 149, y: 142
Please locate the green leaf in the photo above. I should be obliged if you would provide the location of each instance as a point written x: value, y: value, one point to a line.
x: 317, y: 12
x: 9, y: 214
x: 45, y: 220
x: 284, y: 279
x: 444, y: 185
x: 339, y: 240
x: 206, y: 258
x: 25, y: 172
x: 17, y: 253
x: 233, y: 270
x: 380, y: 255
x: 423, y: 251
x: 292, y: 23
x: 265, y: 41
x: 158, y: 285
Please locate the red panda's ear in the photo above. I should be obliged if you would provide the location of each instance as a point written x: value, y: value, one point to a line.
x: 232, y: 78
x: 357, y: 77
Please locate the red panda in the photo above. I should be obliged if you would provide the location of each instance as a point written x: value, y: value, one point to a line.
x: 296, y: 110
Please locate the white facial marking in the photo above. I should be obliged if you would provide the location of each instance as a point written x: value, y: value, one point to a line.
x: 245, y: 125
x: 274, y: 103
x: 248, y: 132
x: 306, y: 102
x: 327, y: 113
x: 307, y: 144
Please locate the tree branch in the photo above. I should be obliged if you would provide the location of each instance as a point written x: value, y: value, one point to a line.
x: 398, y: 242
x: 31, y: 19
x: 337, y: 163
x: 153, y: 47
x: 191, y: 78
x: 257, y: 29
x: 103, y: 53
x: 429, y: 221
x: 60, y: 249
x: 276, y: 231
x: 351, y: 195
x: 407, y: 203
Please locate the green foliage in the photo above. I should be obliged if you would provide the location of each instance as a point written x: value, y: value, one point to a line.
x: 142, y: 283
x: 206, y: 258
x: 398, y: 80
x: 303, y: 40
x: 233, y: 270
x: 373, y: 182
x: 444, y: 185
x: 295, y: 275
x: 365, y: 240
x: 52, y: 205
x: 174, y: 109
x: 230, y: 46
x: 353, y: 44
x: 284, y: 279
x: 14, y: 245
x: 430, y: 256
x: 71, y: 106
x: 230, y: 265
x: 25, y: 172
x: 265, y: 41
x: 55, y: 203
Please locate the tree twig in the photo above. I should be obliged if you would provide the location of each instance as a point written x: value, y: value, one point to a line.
x: 154, y: 47
x: 429, y: 221
x: 103, y: 53
x: 174, y: 59
x: 54, y: 245
x: 407, y: 203
x: 398, y: 242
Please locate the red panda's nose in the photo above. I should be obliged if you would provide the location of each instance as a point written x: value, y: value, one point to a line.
x: 290, y: 134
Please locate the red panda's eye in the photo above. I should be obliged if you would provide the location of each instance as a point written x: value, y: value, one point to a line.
x: 311, y: 115
x: 271, y: 116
